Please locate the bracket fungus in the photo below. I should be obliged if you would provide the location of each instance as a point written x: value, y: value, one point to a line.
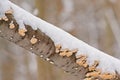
x: 10, y: 11
x: 65, y: 52
x: 22, y: 32
x: 5, y: 18
x: 93, y: 67
x: 82, y: 61
x: 11, y: 25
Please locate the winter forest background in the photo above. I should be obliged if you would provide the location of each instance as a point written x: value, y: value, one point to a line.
x: 96, y: 22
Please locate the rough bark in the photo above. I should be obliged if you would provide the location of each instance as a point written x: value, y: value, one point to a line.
x: 44, y: 48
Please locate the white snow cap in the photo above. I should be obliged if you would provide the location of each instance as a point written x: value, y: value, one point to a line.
x: 107, y: 63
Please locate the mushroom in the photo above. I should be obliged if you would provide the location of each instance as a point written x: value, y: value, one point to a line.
x: 93, y: 74
x: 82, y: 61
x: 10, y: 11
x: 93, y: 67
x: 33, y: 40
x: 107, y: 76
x: 58, y: 47
x: 11, y: 25
x: 22, y: 32
x: 5, y: 18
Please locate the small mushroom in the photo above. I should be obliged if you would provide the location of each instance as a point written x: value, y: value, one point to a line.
x: 22, y: 32
x: 93, y: 67
x: 75, y: 51
x: 93, y: 74
x: 80, y: 56
x: 69, y: 54
x: 5, y: 18
x: 64, y: 52
x: 33, y: 40
x: 9, y: 11
x: 11, y: 25
x: 107, y: 76
x: 58, y: 47
x: 82, y: 61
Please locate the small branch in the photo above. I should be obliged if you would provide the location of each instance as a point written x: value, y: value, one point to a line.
x: 42, y: 45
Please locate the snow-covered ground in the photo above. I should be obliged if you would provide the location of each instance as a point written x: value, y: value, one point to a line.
x: 59, y: 36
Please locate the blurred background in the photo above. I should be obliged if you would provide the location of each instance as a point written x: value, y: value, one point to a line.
x: 96, y: 22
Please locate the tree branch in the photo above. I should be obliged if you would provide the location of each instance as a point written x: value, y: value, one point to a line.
x: 42, y: 45
x: 45, y: 48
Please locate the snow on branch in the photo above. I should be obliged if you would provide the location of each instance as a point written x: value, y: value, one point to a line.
x: 55, y: 45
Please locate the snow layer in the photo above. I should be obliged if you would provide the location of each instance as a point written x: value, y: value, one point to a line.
x: 107, y: 63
